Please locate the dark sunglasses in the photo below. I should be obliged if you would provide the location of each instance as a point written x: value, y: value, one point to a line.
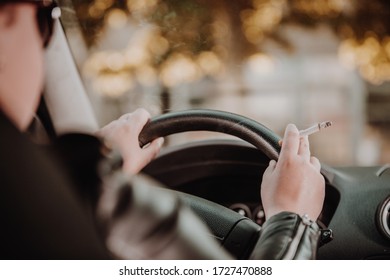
x: 47, y: 12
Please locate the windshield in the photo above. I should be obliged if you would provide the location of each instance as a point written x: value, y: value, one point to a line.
x: 275, y: 61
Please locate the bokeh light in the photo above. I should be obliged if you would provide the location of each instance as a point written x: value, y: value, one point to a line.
x: 370, y: 56
x: 187, y: 41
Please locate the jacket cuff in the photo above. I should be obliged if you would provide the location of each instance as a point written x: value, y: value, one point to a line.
x: 287, y: 236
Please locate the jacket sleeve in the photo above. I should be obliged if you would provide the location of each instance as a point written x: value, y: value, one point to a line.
x: 287, y: 236
x: 140, y: 219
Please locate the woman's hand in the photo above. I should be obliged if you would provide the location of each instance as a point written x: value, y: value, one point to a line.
x: 293, y: 183
x: 123, y: 134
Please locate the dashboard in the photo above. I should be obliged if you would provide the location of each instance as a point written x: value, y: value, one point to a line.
x: 229, y: 173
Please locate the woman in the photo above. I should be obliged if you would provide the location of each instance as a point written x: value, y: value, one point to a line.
x: 45, y: 218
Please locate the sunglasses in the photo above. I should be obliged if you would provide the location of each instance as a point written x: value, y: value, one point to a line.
x: 47, y: 12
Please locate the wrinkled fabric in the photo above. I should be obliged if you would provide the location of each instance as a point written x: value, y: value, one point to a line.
x: 42, y: 216
x: 287, y: 236
x: 141, y: 220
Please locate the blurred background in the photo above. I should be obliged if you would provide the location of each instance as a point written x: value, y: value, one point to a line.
x: 275, y: 61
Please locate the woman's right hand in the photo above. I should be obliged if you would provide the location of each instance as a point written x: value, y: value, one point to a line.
x: 293, y: 183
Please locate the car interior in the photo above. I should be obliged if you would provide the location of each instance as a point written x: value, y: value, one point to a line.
x: 220, y: 177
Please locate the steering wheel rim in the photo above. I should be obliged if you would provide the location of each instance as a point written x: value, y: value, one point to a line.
x: 213, y: 120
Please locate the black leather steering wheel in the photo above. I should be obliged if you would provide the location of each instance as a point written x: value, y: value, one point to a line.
x: 212, y: 120
x: 236, y: 233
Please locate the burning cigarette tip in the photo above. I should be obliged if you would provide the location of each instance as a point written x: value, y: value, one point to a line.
x: 326, y: 124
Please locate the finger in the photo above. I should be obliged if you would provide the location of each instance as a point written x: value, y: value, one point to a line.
x: 271, y: 167
x: 304, y: 147
x: 125, y: 117
x: 139, y: 118
x: 106, y: 130
x: 155, y: 144
x: 150, y: 152
x: 142, y: 111
x: 316, y: 163
x: 290, y: 141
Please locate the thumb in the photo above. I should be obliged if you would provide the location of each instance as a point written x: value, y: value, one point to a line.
x: 151, y: 150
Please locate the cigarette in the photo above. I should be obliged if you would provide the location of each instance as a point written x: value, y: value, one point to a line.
x: 314, y: 128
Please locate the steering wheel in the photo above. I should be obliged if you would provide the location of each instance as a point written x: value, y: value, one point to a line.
x: 212, y: 120
x: 236, y: 233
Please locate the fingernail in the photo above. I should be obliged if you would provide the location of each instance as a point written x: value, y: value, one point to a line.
x: 160, y: 142
x: 291, y: 126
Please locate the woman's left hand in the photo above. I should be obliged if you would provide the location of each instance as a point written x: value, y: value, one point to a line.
x: 123, y: 134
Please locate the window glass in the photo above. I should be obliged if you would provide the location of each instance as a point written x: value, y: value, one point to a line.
x: 275, y: 61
